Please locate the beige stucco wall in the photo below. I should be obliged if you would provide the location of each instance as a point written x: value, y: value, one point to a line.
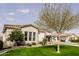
x: 47, y: 33
x: 8, y: 31
x: 41, y: 36
x: 5, y: 36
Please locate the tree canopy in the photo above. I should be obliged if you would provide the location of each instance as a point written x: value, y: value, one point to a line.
x: 17, y: 36
x: 57, y: 17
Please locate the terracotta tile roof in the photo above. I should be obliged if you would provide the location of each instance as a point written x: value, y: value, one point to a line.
x: 9, y: 26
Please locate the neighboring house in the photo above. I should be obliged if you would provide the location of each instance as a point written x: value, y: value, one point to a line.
x: 66, y: 37
x: 73, y: 37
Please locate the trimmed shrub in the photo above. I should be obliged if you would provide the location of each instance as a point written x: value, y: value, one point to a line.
x: 33, y: 43
x: 1, y: 45
x: 22, y: 43
x: 41, y: 42
x: 29, y: 44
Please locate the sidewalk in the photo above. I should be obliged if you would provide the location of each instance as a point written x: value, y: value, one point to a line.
x: 70, y: 44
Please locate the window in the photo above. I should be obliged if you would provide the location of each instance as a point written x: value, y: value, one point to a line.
x: 26, y: 35
x: 34, y: 34
x: 30, y: 35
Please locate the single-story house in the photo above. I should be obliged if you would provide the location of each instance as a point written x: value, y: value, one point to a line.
x: 32, y: 33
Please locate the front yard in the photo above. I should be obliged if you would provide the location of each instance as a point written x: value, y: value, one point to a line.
x: 44, y: 51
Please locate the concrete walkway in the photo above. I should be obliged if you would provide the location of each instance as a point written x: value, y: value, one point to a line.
x: 70, y: 44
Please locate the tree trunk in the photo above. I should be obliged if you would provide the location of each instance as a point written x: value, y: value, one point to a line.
x: 58, y: 44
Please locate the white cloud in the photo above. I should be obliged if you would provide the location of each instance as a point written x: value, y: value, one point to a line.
x: 24, y: 10
x: 11, y: 13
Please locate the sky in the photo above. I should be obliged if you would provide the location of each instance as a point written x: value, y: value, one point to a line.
x: 25, y: 13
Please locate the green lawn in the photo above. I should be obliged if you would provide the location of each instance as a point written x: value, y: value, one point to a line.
x: 44, y: 51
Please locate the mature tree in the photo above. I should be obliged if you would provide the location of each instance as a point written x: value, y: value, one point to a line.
x: 57, y: 17
x: 17, y: 36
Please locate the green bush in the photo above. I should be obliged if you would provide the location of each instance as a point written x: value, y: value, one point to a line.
x: 41, y: 42
x: 33, y: 43
x: 29, y: 44
x: 17, y: 36
x: 19, y: 43
x: 1, y: 44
